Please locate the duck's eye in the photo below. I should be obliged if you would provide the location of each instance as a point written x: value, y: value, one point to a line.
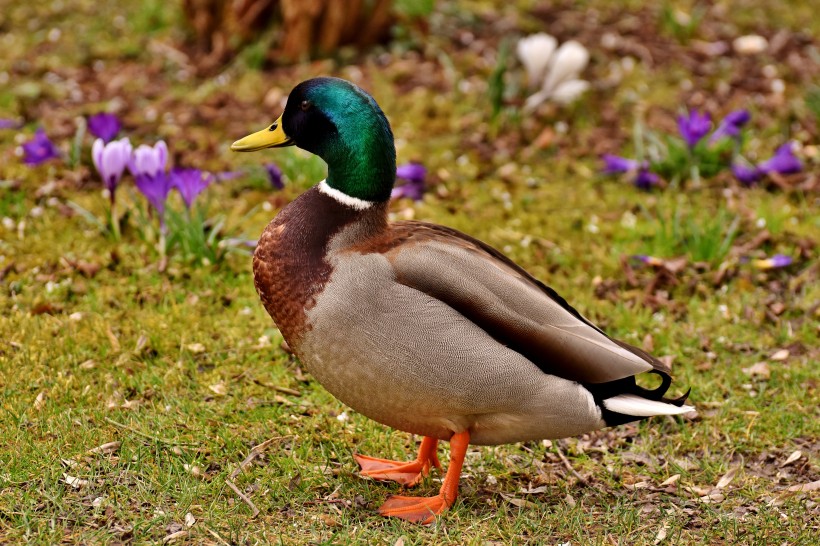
x: 306, y: 104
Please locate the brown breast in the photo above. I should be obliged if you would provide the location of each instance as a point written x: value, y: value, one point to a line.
x: 290, y: 265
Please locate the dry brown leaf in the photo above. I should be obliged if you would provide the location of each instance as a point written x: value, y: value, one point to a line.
x: 811, y: 486
x: 189, y: 520
x: 112, y: 339
x: 713, y: 497
x: 174, y: 537
x: 675, y: 265
x: 662, y: 532
x: 196, y: 348
x: 727, y: 478
x: 520, y: 503
x: 142, y: 346
x: 648, y: 343
x: 40, y: 401
x: 46, y: 309
x: 792, y: 458
x: 286, y: 390
x: 87, y: 269
x: 130, y: 404
x: 778, y: 308
x: 759, y: 369
x: 105, y: 449
x: 219, y: 389
x: 698, y: 490
x: 667, y: 359
x: 670, y: 480
x: 74, y: 481
x: 782, y: 354
x: 70, y: 463
x: 637, y: 485
x: 193, y: 470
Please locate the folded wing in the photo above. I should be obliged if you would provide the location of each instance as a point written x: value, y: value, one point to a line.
x: 509, y: 304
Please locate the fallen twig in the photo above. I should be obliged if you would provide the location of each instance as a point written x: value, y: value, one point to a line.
x: 255, y: 452
x: 147, y: 436
x: 216, y: 536
x: 567, y: 464
x: 242, y: 496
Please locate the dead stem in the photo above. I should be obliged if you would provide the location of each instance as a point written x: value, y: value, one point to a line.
x: 255, y: 452
x: 567, y: 464
x: 242, y: 496
x: 147, y: 436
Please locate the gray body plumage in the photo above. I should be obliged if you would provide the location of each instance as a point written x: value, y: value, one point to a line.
x: 379, y: 342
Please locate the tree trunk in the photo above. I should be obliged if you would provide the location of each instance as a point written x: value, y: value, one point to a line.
x: 306, y: 27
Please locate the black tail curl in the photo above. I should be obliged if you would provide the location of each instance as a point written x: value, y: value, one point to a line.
x: 628, y: 385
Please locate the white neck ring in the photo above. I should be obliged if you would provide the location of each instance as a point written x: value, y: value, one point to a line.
x: 343, y: 198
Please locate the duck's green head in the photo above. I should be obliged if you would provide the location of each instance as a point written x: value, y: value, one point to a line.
x: 343, y: 125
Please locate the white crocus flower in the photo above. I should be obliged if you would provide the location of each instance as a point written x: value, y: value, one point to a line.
x: 567, y: 64
x: 559, y: 71
x: 568, y: 91
x: 535, y: 52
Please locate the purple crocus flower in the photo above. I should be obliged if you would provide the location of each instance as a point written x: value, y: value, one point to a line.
x: 110, y: 160
x: 155, y: 188
x: 190, y: 183
x: 104, y: 126
x: 229, y: 175
x: 413, y: 171
x: 694, y: 127
x: 730, y: 125
x: 147, y: 160
x: 645, y: 179
x: 274, y: 176
x: 773, y: 262
x: 748, y: 176
x: 6, y: 123
x: 783, y: 161
x: 615, y: 164
x: 39, y: 149
x: 413, y: 174
x: 648, y: 260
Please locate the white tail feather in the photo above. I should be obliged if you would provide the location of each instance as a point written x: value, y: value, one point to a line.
x: 630, y: 404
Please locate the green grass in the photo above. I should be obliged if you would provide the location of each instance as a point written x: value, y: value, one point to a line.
x: 182, y: 366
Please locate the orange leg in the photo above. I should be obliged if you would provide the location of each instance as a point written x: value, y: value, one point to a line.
x: 425, y: 509
x: 405, y: 473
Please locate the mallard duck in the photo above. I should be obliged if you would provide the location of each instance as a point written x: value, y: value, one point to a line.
x: 418, y: 326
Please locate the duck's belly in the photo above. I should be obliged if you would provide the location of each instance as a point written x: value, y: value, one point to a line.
x: 413, y: 363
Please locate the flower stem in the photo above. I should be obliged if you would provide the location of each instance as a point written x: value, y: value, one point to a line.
x: 114, y: 220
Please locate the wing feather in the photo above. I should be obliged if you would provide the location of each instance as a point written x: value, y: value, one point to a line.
x: 508, y: 303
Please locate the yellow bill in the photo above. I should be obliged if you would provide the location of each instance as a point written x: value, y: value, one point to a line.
x: 269, y: 137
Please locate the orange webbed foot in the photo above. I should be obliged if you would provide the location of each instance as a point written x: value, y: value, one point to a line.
x: 406, y: 473
x: 425, y: 509
x: 416, y: 509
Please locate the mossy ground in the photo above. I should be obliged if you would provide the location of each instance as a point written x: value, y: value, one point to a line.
x: 101, y: 341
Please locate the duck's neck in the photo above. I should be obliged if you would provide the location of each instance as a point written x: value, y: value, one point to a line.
x: 361, y: 163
